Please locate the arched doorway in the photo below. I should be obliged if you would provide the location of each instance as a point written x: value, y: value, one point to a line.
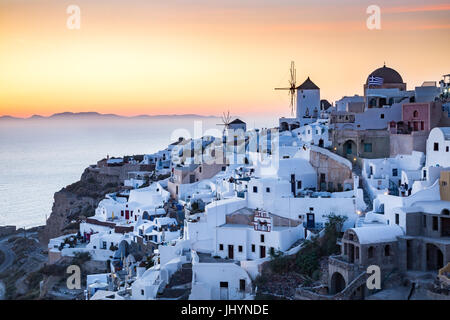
x: 350, y: 149
x: 337, y: 283
x: 435, y: 258
x: 321, y: 143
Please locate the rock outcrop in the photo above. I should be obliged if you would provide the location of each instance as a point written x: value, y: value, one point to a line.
x: 78, y: 201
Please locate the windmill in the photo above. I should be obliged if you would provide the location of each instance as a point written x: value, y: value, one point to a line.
x: 226, y: 119
x: 292, y: 86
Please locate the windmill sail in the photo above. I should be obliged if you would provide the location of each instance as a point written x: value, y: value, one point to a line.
x: 292, y: 86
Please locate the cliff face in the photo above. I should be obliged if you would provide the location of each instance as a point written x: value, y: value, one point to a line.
x: 77, y: 201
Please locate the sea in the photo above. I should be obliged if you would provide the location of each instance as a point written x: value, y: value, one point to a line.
x: 39, y: 157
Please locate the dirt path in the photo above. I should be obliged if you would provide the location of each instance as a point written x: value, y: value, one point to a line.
x: 8, y: 255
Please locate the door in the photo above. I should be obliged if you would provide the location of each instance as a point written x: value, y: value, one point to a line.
x: 409, y: 255
x: 293, y: 183
x: 230, y: 251
x: 223, y: 290
x: 262, y: 252
x: 242, y: 288
x: 351, y: 253
x: 310, y: 221
x: 127, y: 214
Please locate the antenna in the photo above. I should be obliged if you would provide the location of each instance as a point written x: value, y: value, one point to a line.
x: 292, y: 86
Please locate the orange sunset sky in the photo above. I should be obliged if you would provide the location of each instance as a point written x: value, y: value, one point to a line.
x: 205, y: 56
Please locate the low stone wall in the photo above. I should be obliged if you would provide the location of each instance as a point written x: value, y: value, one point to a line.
x: 7, y: 231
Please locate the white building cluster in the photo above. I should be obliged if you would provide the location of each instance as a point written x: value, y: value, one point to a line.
x: 227, y: 204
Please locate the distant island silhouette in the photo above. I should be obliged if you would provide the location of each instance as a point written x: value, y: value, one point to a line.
x: 96, y: 115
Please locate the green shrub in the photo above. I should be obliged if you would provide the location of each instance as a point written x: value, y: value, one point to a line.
x: 307, y: 260
x: 307, y: 263
x: 280, y: 263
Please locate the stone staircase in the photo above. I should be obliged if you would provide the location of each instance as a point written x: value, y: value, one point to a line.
x: 360, y: 221
x: 346, y: 294
x: 179, y: 286
x: 358, y: 171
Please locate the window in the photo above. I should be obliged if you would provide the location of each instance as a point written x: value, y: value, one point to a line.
x: 394, y: 172
x: 240, y: 248
x: 387, y: 250
x: 224, y: 284
x: 415, y: 114
x: 371, y: 252
x: 424, y: 221
x: 272, y: 251
x: 322, y: 177
x: 367, y: 147
x: 221, y: 247
x: 299, y: 184
x: 255, y: 189
x: 142, y: 292
x: 104, y: 245
x: 200, y: 169
x: 446, y: 149
x: 397, y: 218
x: 435, y: 224
x: 268, y: 190
x: 242, y: 285
x: 382, y: 116
x: 262, y: 238
x: 436, y: 146
x: 253, y: 248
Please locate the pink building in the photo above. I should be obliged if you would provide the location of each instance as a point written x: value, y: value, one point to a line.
x: 417, y: 117
x: 411, y: 133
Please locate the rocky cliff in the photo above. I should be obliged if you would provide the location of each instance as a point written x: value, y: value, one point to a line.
x: 77, y: 201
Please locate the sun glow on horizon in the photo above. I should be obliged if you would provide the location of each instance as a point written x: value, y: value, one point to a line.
x: 132, y: 58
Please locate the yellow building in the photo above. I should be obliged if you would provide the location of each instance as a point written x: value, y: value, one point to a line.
x: 445, y: 185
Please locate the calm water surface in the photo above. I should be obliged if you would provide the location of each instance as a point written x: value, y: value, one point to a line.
x: 38, y: 158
